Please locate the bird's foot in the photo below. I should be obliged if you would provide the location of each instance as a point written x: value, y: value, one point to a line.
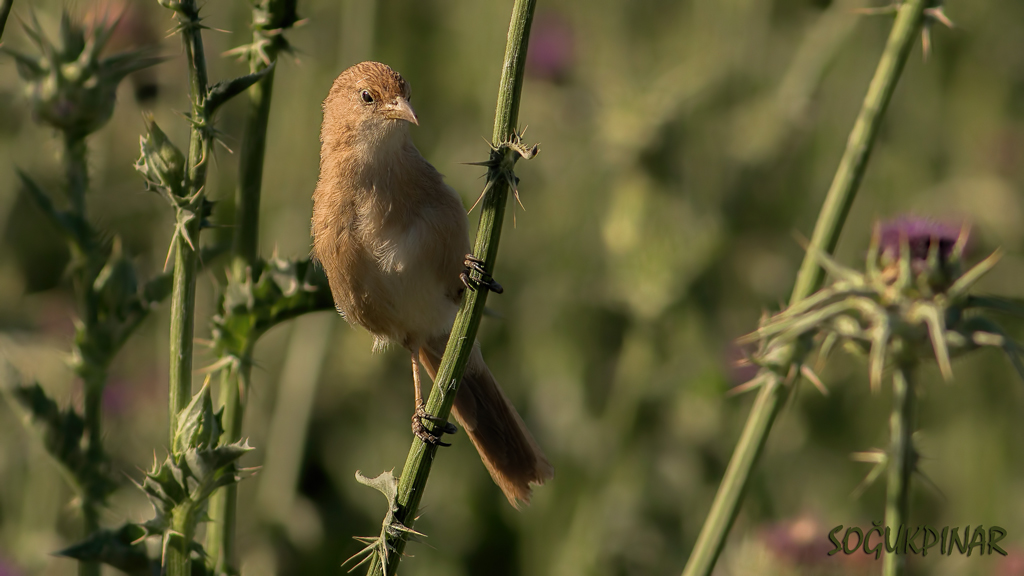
x: 421, y: 432
x: 486, y: 281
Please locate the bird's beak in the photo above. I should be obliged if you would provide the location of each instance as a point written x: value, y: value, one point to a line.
x: 402, y: 110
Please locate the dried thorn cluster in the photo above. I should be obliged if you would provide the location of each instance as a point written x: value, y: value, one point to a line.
x: 378, y: 546
x: 501, y: 165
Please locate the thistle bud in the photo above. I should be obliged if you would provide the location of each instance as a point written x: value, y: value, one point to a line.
x: 280, y: 14
x: 161, y: 163
x: 71, y: 87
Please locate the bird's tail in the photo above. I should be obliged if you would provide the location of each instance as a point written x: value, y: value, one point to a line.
x: 506, y: 447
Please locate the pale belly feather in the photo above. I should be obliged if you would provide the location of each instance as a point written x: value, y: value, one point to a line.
x: 416, y: 296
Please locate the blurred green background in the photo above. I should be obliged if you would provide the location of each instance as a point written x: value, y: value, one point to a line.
x: 686, y: 145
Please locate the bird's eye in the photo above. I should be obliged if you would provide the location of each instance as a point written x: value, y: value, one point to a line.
x: 366, y: 97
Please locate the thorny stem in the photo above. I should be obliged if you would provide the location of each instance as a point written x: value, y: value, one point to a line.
x: 826, y: 235
x: 266, y: 44
x: 93, y: 377
x: 901, y: 462
x: 186, y: 243
x: 184, y: 279
x: 463, y: 335
x: 177, y: 540
x: 76, y: 171
x: 851, y: 169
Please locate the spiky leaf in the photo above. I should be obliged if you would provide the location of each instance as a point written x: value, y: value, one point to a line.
x: 225, y: 90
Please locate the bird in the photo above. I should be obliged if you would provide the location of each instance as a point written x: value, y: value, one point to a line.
x: 393, y: 240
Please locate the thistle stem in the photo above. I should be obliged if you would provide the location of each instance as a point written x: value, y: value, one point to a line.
x: 223, y: 503
x: 177, y: 539
x: 829, y: 225
x: 851, y: 169
x: 183, y: 299
x: 5, y: 11
x: 186, y: 243
x: 220, y: 535
x: 901, y: 463
x: 76, y: 170
x: 93, y: 388
x: 463, y: 335
x: 183, y: 289
x: 94, y: 379
x: 250, y: 172
x: 220, y: 540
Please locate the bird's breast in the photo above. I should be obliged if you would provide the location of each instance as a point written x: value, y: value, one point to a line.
x: 403, y: 296
x: 391, y: 237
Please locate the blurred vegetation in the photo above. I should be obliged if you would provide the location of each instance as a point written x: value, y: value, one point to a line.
x: 683, y: 146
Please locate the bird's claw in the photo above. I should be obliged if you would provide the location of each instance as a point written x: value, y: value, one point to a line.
x: 475, y: 263
x: 421, y: 432
x: 486, y: 281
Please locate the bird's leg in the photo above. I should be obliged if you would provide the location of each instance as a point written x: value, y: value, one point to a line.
x: 485, y: 281
x: 420, y: 414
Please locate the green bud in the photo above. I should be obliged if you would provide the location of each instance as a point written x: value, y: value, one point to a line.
x: 70, y: 87
x: 161, y: 162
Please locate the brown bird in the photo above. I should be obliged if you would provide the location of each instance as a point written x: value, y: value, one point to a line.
x: 393, y: 239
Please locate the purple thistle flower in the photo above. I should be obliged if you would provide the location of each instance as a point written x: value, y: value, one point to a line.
x: 551, y: 51
x: 923, y: 237
x: 920, y: 234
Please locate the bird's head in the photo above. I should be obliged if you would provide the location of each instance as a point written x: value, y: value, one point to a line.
x: 371, y: 102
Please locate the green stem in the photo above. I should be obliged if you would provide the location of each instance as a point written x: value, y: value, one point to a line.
x: 220, y: 536
x: 830, y: 222
x: 250, y: 174
x: 183, y: 296
x: 268, y: 19
x: 94, y: 383
x: 186, y: 242
x: 93, y: 376
x: 94, y: 454
x: 188, y: 219
x: 859, y: 145
x: 183, y: 300
x: 901, y: 463
x: 463, y: 335
x: 737, y: 476
x: 77, y: 172
x: 5, y: 11
x: 177, y: 540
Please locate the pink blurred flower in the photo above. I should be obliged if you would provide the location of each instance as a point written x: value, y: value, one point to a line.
x: 551, y: 52
x: 7, y: 568
x: 799, y: 541
x: 1012, y: 564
